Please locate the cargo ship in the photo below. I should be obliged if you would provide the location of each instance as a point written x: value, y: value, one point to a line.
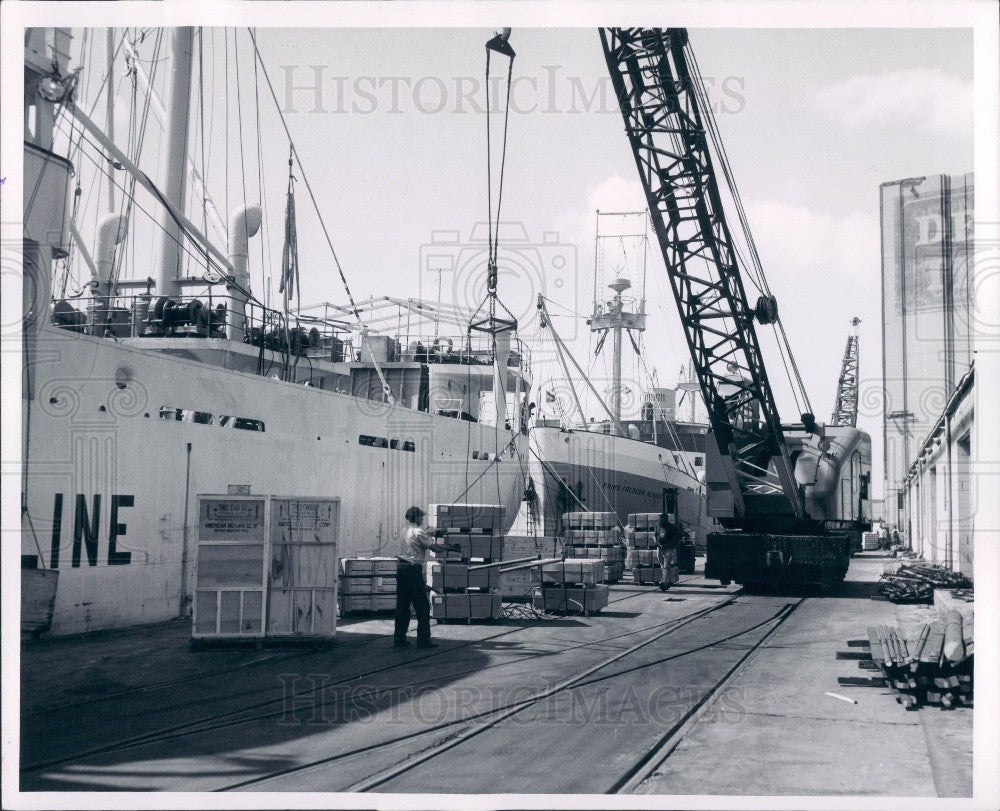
x: 153, y: 383
x: 650, y: 463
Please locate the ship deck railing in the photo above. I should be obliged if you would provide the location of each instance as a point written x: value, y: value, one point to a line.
x: 317, y: 336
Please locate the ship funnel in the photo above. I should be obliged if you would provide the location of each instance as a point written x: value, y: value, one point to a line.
x: 110, y: 231
x: 244, y: 223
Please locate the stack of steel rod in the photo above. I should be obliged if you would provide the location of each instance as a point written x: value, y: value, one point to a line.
x: 936, y: 669
x: 915, y: 582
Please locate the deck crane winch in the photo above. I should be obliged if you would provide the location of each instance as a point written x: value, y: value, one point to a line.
x: 787, y: 496
x: 845, y: 408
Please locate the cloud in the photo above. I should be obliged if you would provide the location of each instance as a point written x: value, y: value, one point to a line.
x: 824, y: 270
x: 614, y: 193
x: 925, y: 97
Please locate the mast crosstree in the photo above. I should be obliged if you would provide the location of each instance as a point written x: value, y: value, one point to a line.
x: 618, y: 314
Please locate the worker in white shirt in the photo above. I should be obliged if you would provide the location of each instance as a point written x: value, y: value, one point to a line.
x: 410, y: 586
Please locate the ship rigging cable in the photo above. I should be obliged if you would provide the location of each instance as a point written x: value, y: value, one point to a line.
x: 386, y: 390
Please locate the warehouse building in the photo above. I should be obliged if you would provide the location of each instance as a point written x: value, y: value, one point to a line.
x: 927, y: 335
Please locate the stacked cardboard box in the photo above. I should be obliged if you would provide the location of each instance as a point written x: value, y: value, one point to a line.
x: 643, y: 558
x: 571, y: 599
x: 446, y: 575
x: 467, y: 517
x: 458, y: 590
x: 367, y: 584
x: 578, y: 571
x: 573, y: 585
x: 519, y: 584
x: 452, y: 606
x: 595, y: 535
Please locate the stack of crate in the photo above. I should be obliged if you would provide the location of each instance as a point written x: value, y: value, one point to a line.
x: 642, y: 548
x: 572, y: 586
x: 366, y: 585
x: 594, y: 535
x: 456, y: 592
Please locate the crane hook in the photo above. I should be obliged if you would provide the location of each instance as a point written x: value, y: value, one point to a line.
x: 500, y: 43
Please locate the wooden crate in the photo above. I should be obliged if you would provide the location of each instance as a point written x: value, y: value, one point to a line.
x: 446, y: 576
x: 571, y: 600
x: 368, y: 567
x: 582, y: 571
x: 373, y: 584
x: 465, y: 606
x: 266, y: 566
x: 351, y: 603
x: 641, y: 521
x: 481, y: 547
x: 466, y: 516
x: 647, y: 575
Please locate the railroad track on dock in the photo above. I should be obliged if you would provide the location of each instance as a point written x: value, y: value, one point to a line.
x: 281, y: 656
x: 643, y: 767
x: 480, y: 723
x: 238, y: 715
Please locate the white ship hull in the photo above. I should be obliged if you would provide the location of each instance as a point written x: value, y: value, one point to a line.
x: 111, y: 486
x: 607, y: 472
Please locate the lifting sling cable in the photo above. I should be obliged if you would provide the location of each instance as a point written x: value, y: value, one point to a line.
x: 499, y: 44
x: 386, y: 389
x: 499, y: 349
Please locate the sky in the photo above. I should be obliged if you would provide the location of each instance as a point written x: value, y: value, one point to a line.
x: 394, y: 144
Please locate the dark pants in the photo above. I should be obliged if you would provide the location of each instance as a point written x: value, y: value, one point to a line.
x: 411, y: 590
x: 668, y: 559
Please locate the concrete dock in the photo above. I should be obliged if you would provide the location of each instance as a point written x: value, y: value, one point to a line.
x: 700, y: 690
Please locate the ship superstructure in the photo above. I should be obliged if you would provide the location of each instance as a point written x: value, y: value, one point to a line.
x: 647, y: 462
x: 152, y: 384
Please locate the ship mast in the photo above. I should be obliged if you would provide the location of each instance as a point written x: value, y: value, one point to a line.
x: 109, y: 112
x: 175, y: 187
x: 616, y: 315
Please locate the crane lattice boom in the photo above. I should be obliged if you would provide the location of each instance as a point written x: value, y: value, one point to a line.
x: 661, y: 107
x: 845, y: 409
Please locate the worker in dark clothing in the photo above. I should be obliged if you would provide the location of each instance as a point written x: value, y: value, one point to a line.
x: 668, y: 537
x: 410, y: 586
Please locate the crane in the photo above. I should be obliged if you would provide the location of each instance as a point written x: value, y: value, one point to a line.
x: 787, y: 496
x: 845, y: 408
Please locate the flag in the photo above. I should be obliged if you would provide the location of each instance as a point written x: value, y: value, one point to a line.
x: 290, y: 252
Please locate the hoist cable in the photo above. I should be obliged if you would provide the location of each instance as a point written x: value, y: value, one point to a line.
x: 754, y: 267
